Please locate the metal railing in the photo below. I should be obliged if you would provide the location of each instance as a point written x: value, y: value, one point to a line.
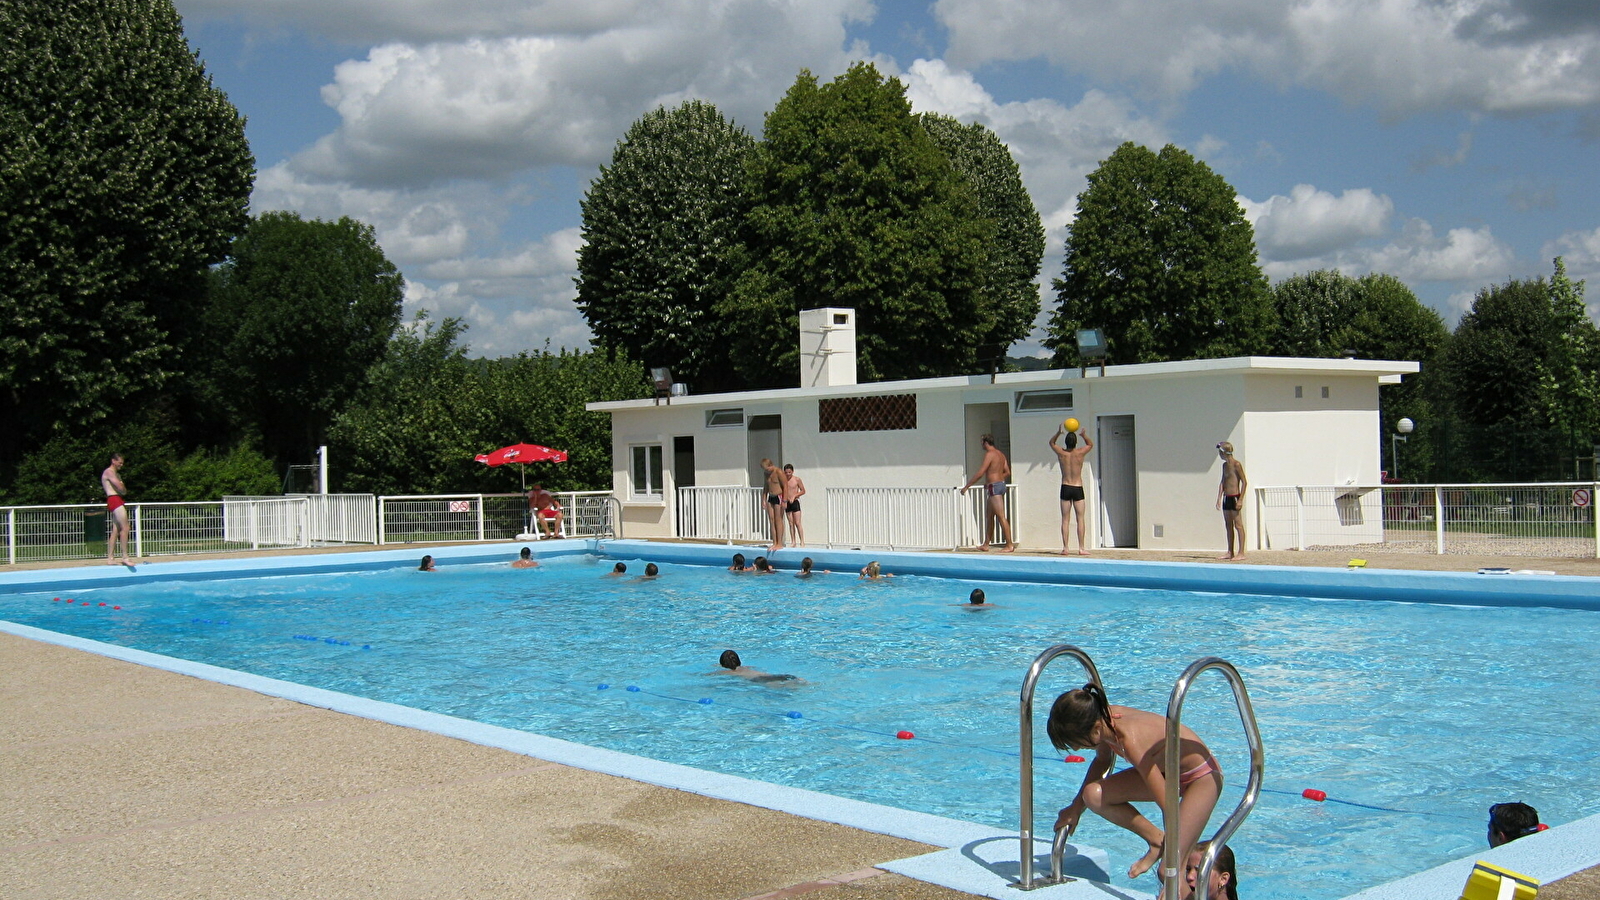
x: 79, y: 531
x: 911, y: 518
x: 1025, y: 729
x: 722, y: 513
x: 461, y: 518
x: 1172, y: 882
x: 1545, y: 520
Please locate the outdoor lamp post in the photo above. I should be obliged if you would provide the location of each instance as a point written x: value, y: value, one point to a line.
x: 1401, y: 428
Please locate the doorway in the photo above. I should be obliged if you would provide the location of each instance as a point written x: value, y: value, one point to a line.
x: 763, y: 440
x: 1117, y: 475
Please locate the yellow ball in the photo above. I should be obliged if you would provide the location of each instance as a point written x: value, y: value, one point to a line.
x: 1070, y: 424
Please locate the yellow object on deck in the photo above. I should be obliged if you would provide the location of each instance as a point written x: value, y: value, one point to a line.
x: 1358, y: 564
x: 1490, y: 882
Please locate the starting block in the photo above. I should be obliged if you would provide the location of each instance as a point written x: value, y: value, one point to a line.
x: 1490, y: 882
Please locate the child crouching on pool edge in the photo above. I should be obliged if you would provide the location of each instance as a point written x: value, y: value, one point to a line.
x: 1082, y: 719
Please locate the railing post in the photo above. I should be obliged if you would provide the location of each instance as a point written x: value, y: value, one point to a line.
x: 11, y: 536
x: 381, y: 524
x: 1299, y: 517
x: 1594, y: 514
x: 255, y: 525
x: 480, y: 518
x: 138, y: 533
x: 1438, y: 519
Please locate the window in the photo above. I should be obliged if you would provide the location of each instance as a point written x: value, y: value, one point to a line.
x: 1043, y: 401
x: 723, y: 418
x: 646, y: 470
x: 890, y: 412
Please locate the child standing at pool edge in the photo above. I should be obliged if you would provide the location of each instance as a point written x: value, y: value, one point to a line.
x: 1082, y: 719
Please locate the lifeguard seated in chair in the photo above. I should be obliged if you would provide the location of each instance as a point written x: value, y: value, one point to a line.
x: 545, y: 511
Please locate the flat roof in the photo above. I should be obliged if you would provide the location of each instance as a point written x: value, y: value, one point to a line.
x: 1385, y: 370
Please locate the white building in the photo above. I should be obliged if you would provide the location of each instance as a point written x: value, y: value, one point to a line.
x: 881, y: 461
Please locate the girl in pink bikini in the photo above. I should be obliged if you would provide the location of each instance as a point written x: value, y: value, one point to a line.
x: 1082, y: 719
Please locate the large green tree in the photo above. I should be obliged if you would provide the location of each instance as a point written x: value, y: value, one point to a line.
x: 1162, y: 259
x: 123, y: 174
x: 660, y: 231
x: 853, y: 205
x: 1009, y: 293
x: 1528, y: 354
x: 300, y: 312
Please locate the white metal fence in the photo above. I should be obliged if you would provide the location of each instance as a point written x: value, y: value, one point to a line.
x: 1548, y: 520
x: 78, y: 531
x: 910, y: 518
x: 722, y: 513
x: 442, y: 518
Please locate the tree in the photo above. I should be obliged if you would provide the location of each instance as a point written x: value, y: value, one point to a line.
x: 300, y: 312
x: 1010, y: 291
x: 1495, y: 361
x: 123, y: 174
x: 1161, y: 258
x: 427, y: 410
x: 853, y: 205
x: 1569, y: 382
x: 660, y: 230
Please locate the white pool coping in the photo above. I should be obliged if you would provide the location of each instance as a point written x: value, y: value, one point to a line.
x: 975, y: 860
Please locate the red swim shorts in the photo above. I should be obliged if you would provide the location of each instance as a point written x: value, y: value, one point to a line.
x: 114, y: 503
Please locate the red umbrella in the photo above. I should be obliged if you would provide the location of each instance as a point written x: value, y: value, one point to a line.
x: 522, y: 454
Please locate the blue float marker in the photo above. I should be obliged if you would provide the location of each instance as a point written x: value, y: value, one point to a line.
x: 366, y: 646
x: 634, y: 688
x: 601, y: 687
x: 706, y: 701
x: 795, y: 714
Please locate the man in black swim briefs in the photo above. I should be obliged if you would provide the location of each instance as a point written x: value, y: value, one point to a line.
x: 777, y: 486
x: 1072, y: 504
x: 1228, y: 493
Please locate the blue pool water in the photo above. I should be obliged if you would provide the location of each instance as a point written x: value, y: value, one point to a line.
x: 1427, y: 712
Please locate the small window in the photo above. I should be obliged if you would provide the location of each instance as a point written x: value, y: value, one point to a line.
x: 1299, y: 391
x: 1043, y: 401
x: 646, y: 471
x: 724, y: 418
x: 1324, y: 392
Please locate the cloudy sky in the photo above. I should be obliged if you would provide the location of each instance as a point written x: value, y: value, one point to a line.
x: 1451, y: 143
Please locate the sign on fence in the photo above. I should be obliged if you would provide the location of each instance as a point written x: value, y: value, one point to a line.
x: 1582, y: 497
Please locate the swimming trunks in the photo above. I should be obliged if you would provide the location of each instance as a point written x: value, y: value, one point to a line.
x: 996, y: 488
x: 1230, y: 502
x: 549, y: 513
x: 794, y: 505
x: 114, y: 503
x: 1071, y: 492
x: 774, y: 500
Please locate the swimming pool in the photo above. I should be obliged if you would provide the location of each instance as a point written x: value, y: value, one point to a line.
x: 1379, y: 703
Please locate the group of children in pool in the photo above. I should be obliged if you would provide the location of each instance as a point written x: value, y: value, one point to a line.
x: 1083, y: 719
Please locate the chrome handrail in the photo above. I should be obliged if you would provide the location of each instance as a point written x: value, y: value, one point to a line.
x: 1171, y: 884
x: 1025, y: 722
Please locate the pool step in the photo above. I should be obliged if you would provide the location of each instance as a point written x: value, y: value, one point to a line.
x: 988, y: 868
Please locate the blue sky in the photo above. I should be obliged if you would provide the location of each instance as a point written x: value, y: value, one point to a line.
x: 1451, y: 143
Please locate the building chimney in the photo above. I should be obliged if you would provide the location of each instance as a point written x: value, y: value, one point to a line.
x: 827, y: 347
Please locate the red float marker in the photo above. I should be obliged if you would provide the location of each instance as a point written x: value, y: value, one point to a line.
x: 1542, y: 827
x: 1075, y: 758
x: 102, y: 604
x: 904, y: 735
x: 1314, y: 794
x: 116, y: 607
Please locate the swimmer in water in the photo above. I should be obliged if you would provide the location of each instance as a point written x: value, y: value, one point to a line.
x: 730, y: 662
x: 976, y: 600
x: 616, y: 570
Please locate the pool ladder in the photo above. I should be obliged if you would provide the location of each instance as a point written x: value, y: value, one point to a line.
x: 1172, y: 883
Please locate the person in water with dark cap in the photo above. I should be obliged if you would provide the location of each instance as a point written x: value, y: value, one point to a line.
x: 731, y: 662
x: 1509, y: 821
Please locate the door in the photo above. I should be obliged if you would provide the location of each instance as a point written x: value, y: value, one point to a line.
x: 763, y: 440
x: 1117, y: 476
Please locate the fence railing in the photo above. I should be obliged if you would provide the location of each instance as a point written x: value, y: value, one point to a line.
x: 78, y: 531
x: 910, y: 518
x: 1549, y: 520
x: 722, y: 513
x: 445, y: 518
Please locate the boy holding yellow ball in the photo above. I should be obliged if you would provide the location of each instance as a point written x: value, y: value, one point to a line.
x: 1072, y: 502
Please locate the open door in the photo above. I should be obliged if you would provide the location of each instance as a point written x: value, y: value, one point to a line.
x: 1117, y: 476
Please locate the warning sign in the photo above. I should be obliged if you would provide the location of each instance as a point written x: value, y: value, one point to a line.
x: 1582, y: 497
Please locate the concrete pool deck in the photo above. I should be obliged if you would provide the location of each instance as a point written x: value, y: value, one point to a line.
x: 124, y: 780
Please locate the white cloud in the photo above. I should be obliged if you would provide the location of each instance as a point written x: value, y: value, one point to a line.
x: 380, y: 21
x: 1310, y: 222
x: 1463, y: 256
x: 1400, y: 56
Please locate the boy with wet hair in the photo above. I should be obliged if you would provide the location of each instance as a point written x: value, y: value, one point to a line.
x: 1509, y: 821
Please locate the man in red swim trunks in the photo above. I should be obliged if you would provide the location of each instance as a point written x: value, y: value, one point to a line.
x: 546, y: 512
x: 116, y: 511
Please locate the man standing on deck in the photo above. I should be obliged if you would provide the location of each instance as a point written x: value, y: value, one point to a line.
x: 1230, y: 496
x: 116, y: 510
x: 777, y: 489
x: 1072, y: 502
x: 994, y: 473
x: 791, y: 504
